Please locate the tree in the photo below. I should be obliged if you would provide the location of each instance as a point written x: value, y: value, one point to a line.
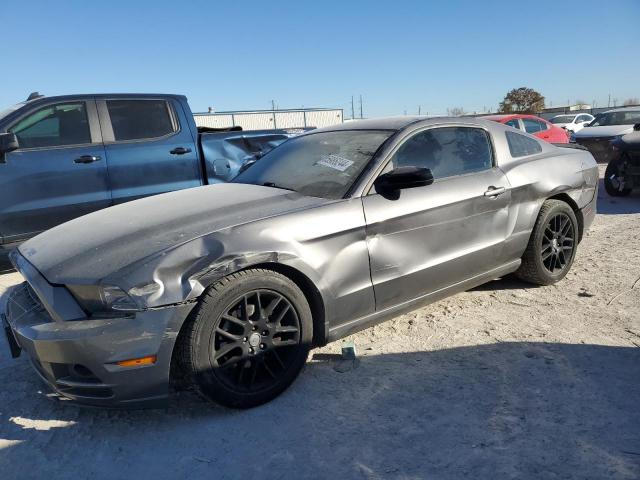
x: 455, y: 112
x: 522, y: 100
x: 631, y: 101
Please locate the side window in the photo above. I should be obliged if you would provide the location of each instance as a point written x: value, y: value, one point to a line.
x: 520, y: 146
x: 54, y: 126
x: 140, y: 119
x: 513, y: 123
x: 533, y: 126
x: 447, y: 151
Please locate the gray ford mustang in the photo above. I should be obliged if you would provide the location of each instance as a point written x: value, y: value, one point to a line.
x: 226, y: 288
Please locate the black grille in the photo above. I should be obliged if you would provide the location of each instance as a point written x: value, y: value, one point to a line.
x: 23, y: 301
x: 35, y: 301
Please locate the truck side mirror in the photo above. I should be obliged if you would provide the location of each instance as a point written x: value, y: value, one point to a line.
x: 8, y: 143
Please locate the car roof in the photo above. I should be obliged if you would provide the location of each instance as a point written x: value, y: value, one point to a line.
x: 399, y: 123
x: 623, y: 109
x: 509, y: 116
x: 75, y: 96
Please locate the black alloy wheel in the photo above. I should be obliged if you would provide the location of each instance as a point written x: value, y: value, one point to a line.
x: 247, y: 340
x: 255, y: 341
x: 558, y: 243
x: 552, y: 246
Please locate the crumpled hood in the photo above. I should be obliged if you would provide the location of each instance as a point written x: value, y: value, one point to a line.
x: 608, y: 131
x: 89, y: 248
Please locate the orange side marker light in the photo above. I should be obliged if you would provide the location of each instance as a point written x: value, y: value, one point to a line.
x: 135, y: 362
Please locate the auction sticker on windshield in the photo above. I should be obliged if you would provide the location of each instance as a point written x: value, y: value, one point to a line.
x: 336, y: 162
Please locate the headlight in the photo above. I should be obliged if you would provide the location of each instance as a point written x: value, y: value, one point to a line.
x: 102, y: 298
x: 572, y: 137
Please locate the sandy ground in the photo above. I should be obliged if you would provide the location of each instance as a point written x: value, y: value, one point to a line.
x: 505, y: 381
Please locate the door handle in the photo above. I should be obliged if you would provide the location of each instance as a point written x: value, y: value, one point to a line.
x: 180, y: 151
x: 87, y: 159
x: 494, y: 191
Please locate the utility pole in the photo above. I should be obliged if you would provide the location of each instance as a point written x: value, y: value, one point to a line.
x: 419, y: 108
x: 273, y: 105
x: 353, y: 111
x: 361, y: 107
x: 609, y: 102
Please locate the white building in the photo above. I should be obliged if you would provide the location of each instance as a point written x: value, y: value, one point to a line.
x: 268, y: 119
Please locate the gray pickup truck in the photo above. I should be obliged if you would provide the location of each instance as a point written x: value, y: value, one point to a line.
x: 66, y: 156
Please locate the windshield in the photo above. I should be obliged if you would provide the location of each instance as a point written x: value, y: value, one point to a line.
x: 630, y: 117
x: 321, y: 165
x: 7, y: 111
x: 562, y: 119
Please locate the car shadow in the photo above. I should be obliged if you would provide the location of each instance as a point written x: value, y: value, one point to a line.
x: 505, y: 410
x: 509, y: 282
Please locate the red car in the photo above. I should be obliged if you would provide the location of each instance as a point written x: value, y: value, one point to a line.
x: 534, y: 125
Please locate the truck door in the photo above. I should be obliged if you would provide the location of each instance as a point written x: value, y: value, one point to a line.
x: 57, y: 173
x: 149, y: 147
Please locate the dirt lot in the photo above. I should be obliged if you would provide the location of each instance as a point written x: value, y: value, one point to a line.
x: 505, y: 381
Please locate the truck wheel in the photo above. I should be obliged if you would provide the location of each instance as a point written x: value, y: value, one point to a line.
x: 552, y: 245
x: 248, y: 338
x: 614, y: 178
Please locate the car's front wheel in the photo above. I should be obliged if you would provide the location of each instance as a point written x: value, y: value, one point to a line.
x: 248, y: 338
x: 614, y: 178
x: 552, y: 245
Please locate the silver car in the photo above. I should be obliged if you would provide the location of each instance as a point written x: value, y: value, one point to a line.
x: 227, y: 287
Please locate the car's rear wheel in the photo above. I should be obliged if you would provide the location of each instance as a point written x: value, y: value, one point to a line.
x: 248, y: 338
x: 614, y: 178
x: 552, y: 245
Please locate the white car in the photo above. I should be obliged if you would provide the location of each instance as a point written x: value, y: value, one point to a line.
x: 573, y: 122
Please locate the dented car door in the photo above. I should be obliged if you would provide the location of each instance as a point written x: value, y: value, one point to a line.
x: 435, y: 236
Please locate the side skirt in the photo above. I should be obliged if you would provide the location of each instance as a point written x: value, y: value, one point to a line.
x: 361, y: 323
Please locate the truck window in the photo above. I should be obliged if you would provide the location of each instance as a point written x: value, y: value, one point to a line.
x: 54, y: 126
x: 140, y: 119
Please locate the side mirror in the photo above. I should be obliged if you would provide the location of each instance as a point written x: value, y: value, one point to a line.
x: 247, y: 164
x: 8, y: 142
x: 403, y: 177
x: 636, y: 127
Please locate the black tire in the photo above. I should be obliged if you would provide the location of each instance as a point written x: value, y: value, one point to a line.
x: 614, y: 182
x: 241, y: 347
x: 549, y: 255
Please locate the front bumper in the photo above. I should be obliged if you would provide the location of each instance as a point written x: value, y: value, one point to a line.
x: 78, y: 358
x: 599, y: 147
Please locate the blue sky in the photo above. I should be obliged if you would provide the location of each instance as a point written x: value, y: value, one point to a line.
x: 397, y: 55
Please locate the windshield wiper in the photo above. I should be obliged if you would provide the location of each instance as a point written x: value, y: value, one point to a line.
x: 273, y: 185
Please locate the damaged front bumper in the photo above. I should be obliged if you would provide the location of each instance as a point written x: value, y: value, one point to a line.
x: 79, y: 358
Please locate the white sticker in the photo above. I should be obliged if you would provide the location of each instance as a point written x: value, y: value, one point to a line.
x: 336, y: 162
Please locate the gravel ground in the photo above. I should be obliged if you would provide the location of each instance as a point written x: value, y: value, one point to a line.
x: 504, y: 381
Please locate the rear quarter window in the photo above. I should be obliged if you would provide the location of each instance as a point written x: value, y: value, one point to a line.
x: 140, y: 119
x: 521, y: 146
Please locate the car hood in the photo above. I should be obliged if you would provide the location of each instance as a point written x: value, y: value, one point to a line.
x: 607, y: 131
x: 89, y: 248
